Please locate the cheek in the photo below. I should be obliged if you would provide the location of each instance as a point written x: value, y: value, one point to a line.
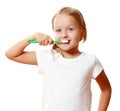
x: 75, y: 37
x: 76, y: 41
x: 56, y: 37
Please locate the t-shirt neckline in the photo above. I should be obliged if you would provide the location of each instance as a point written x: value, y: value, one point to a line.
x: 70, y: 60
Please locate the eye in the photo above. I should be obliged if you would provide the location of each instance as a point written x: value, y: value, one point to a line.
x: 70, y: 29
x: 58, y: 30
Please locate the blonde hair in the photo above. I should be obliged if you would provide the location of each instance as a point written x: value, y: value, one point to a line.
x: 77, y: 15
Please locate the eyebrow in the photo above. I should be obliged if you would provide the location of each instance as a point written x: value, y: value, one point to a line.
x: 59, y: 26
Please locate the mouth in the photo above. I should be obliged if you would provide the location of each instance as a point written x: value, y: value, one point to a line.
x: 65, y: 41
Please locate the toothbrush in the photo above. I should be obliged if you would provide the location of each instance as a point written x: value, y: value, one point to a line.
x: 55, y: 41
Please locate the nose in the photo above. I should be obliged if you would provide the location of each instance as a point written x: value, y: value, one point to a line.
x: 64, y: 34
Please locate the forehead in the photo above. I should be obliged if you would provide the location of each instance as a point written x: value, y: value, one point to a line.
x: 64, y: 19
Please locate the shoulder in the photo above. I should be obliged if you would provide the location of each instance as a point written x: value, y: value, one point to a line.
x: 44, y: 51
x: 47, y: 53
x: 89, y: 56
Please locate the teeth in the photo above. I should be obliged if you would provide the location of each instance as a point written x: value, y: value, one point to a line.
x: 64, y: 41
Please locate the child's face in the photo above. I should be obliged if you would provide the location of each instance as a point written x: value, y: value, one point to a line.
x: 67, y: 28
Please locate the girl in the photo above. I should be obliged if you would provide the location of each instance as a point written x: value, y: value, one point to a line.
x: 67, y: 70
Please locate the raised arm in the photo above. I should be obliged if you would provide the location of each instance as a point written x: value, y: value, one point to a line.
x: 106, y: 90
x: 17, y: 52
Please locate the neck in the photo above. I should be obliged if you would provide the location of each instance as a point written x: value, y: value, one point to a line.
x: 71, y: 53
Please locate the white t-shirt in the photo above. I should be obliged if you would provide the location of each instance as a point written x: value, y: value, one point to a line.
x: 67, y: 81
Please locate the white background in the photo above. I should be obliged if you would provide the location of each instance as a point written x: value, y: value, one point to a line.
x: 20, y: 84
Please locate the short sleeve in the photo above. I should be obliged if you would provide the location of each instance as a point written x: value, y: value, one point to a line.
x: 43, y: 58
x: 40, y: 54
x: 97, y: 68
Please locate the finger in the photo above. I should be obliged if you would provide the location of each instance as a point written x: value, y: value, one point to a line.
x: 46, y: 42
x: 50, y: 41
x: 40, y: 42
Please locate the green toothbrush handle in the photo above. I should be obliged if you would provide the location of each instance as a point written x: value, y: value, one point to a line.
x: 35, y: 41
x: 32, y: 41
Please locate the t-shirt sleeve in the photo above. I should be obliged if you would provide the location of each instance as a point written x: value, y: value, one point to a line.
x: 97, y: 68
x: 40, y: 54
x: 43, y: 57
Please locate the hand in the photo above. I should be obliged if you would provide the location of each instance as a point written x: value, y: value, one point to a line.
x: 43, y: 39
